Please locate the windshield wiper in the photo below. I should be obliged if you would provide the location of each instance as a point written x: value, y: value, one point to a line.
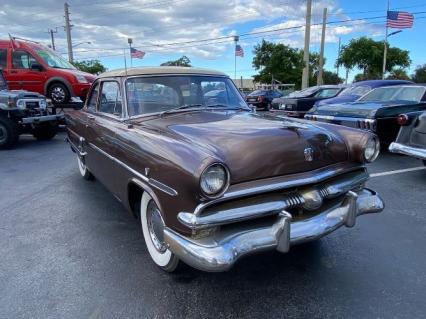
x: 182, y: 107
x: 228, y: 106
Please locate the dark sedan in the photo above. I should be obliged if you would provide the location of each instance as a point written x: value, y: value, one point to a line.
x: 377, y: 111
x: 262, y: 99
x: 358, y: 89
x: 298, y: 103
x: 411, y: 138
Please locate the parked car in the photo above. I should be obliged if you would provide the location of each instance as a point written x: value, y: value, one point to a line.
x: 195, y: 173
x: 31, y: 66
x: 411, y: 138
x: 296, y: 104
x: 377, y: 111
x: 24, y: 112
x: 358, y: 89
x: 262, y: 99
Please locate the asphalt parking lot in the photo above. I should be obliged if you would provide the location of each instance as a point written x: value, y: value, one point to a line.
x: 70, y: 250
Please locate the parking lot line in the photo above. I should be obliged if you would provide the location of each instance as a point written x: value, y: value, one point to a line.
x: 398, y: 171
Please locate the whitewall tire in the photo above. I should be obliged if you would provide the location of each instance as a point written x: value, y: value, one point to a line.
x: 152, y: 228
x: 84, y: 171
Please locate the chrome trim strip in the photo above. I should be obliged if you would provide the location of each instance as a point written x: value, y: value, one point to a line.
x: 408, y: 150
x: 273, y: 204
x: 154, y: 183
x: 76, y: 149
x: 222, y: 249
x: 318, y: 176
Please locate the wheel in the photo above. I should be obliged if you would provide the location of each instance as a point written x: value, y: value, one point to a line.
x: 84, y: 171
x: 9, y: 133
x: 58, y: 93
x: 45, y: 131
x: 152, y: 228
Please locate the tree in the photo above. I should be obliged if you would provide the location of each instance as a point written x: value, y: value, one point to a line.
x: 90, y: 66
x: 281, y: 62
x: 366, y: 54
x: 398, y: 74
x: 419, y: 75
x: 331, y: 78
x: 182, y: 61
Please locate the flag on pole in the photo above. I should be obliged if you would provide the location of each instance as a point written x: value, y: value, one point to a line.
x: 399, y: 20
x: 137, y: 54
x: 239, y: 51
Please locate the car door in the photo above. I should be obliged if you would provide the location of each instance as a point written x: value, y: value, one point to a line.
x: 101, y: 133
x: 20, y: 76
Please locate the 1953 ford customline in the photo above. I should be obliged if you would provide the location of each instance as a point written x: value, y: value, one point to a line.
x: 211, y: 180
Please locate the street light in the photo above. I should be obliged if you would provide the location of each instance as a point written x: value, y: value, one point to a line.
x: 386, y: 50
x: 76, y: 45
x: 393, y: 33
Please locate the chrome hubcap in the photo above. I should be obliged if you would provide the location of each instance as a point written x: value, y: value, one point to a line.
x: 58, y: 94
x: 3, y: 134
x: 156, y: 227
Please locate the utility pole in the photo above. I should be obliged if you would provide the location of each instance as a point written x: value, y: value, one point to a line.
x: 68, y: 27
x: 320, y: 80
x: 385, y: 53
x: 52, y: 37
x: 305, y: 74
x: 338, y: 56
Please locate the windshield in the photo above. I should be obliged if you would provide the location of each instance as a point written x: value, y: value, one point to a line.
x: 53, y: 60
x: 164, y: 93
x: 359, y: 90
x: 395, y: 93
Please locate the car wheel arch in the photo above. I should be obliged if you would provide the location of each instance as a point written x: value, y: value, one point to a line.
x: 60, y: 80
x: 135, y: 190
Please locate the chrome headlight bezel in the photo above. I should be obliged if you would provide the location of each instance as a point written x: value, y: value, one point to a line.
x: 225, y: 183
x: 371, y: 149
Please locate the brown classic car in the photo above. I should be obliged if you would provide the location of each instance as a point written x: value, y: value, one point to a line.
x: 210, y: 179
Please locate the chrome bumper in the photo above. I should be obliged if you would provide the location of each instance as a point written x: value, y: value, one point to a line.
x: 220, y: 251
x: 408, y: 150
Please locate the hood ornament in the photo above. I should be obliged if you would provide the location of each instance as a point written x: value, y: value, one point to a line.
x: 309, y: 154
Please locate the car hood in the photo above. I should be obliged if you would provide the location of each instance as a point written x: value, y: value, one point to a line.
x: 354, y: 109
x: 254, y: 146
x: 89, y: 77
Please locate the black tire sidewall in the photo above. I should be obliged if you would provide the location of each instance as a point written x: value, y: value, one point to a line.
x: 12, y: 131
x: 64, y: 87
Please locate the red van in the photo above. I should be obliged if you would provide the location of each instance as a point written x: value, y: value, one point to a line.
x: 33, y: 67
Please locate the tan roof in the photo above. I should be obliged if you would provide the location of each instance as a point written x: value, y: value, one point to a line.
x: 159, y: 70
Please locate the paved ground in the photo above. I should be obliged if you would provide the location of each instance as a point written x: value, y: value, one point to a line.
x: 69, y: 250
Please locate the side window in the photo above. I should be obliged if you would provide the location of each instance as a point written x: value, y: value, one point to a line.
x: 91, y: 104
x: 110, y: 98
x: 22, y: 60
x: 3, y: 55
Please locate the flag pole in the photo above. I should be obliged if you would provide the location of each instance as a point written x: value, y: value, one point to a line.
x: 125, y: 62
x: 236, y: 38
x: 386, y: 45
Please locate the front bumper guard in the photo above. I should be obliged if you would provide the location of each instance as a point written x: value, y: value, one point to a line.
x: 220, y: 251
x: 408, y: 150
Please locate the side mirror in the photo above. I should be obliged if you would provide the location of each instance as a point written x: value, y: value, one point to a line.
x: 36, y: 67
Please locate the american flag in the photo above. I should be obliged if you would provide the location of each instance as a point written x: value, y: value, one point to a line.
x: 136, y: 53
x: 399, y: 20
x: 239, y: 51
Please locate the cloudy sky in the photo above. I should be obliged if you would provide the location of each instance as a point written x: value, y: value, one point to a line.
x: 167, y: 29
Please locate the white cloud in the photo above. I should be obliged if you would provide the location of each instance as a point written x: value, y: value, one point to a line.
x: 107, y: 24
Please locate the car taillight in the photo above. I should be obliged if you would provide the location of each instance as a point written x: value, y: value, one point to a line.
x: 402, y: 119
x: 260, y: 98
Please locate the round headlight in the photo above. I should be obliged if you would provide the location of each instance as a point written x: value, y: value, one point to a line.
x: 372, y: 149
x: 214, y: 180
